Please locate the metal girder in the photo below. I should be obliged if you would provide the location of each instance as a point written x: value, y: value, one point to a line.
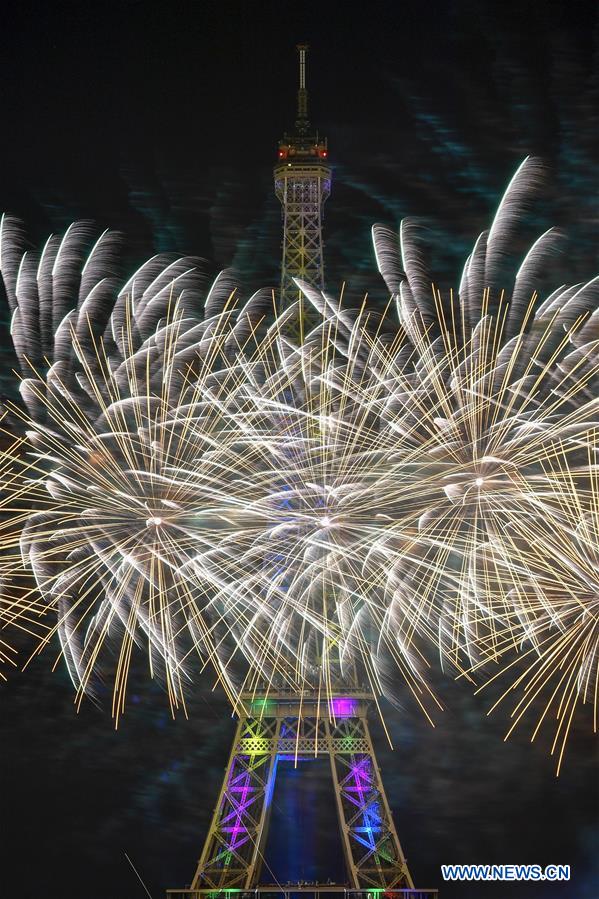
x: 373, y: 853
x: 302, y: 189
x: 234, y: 848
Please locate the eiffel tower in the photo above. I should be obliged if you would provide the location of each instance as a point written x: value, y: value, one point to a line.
x: 281, y: 725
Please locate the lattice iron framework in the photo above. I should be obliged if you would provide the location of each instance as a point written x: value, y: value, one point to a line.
x: 302, y: 184
x: 281, y: 727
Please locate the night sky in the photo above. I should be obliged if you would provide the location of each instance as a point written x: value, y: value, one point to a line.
x: 161, y: 121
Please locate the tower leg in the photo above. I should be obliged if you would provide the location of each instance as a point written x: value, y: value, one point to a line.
x: 232, y: 853
x: 373, y: 853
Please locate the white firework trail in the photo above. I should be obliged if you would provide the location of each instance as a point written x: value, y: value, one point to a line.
x: 489, y: 398
x: 109, y: 377
x: 546, y: 646
x: 315, y: 512
x: 193, y: 482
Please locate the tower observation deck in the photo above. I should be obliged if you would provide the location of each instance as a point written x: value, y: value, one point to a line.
x: 302, y: 178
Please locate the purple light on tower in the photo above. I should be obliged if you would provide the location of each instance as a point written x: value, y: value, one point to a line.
x: 343, y: 707
x: 240, y: 795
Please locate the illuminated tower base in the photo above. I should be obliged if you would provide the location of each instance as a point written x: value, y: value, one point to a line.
x: 285, y: 727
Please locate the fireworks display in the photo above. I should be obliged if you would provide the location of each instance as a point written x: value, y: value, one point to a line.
x: 198, y: 481
x: 109, y: 378
x: 196, y: 486
x: 547, y: 639
x: 500, y: 419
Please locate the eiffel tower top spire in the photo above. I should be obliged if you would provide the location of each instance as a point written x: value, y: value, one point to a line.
x: 304, y: 141
x: 302, y: 125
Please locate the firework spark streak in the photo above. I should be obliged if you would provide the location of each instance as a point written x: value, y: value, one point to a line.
x: 190, y: 485
x: 314, y: 512
x: 486, y: 409
x: 109, y: 380
x: 550, y: 636
x: 499, y: 417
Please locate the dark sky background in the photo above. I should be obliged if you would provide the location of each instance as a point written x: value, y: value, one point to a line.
x: 161, y: 120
